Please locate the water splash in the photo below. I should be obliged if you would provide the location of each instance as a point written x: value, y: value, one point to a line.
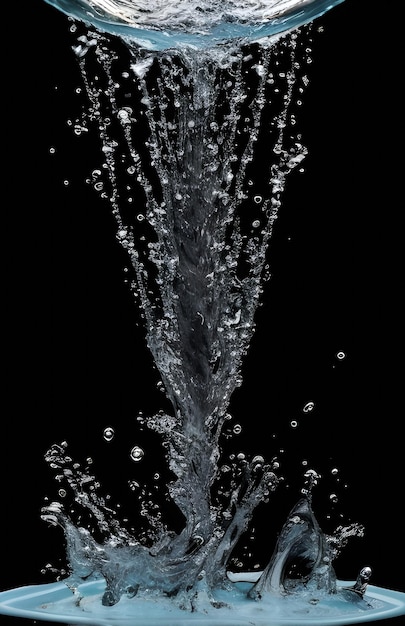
x: 196, y: 150
x: 180, y: 131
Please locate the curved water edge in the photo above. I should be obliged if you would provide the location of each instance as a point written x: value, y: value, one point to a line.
x: 55, y: 602
x: 197, y: 25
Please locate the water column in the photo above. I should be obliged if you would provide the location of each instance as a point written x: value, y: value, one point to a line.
x: 199, y: 273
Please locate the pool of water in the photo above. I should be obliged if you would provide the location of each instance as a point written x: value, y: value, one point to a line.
x: 54, y: 602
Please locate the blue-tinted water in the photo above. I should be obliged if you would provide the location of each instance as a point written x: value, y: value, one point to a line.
x: 209, y: 266
x: 158, y: 26
x: 186, y: 128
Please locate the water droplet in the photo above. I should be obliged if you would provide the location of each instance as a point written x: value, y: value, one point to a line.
x: 340, y: 355
x: 333, y: 498
x: 133, y: 485
x: 124, y: 115
x: 79, y: 129
x: 83, y: 46
x: 312, y: 477
x: 293, y: 423
x: 108, y: 433
x: 309, y: 406
x: 257, y: 459
x: 256, y: 224
x: 258, y: 199
x: 237, y: 429
x: 137, y: 454
x: 335, y: 471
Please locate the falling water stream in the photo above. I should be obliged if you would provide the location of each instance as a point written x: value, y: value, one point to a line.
x: 197, y: 244
x: 182, y: 132
x: 197, y: 144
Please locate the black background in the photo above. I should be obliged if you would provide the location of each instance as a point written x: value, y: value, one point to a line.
x: 75, y: 357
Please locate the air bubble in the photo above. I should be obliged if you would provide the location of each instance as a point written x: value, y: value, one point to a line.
x: 340, y: 355
x: 293, y: 423
x: 108, y: 433
x: 237, y: 429
x: 137, y: 454
x: 309, y: 407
